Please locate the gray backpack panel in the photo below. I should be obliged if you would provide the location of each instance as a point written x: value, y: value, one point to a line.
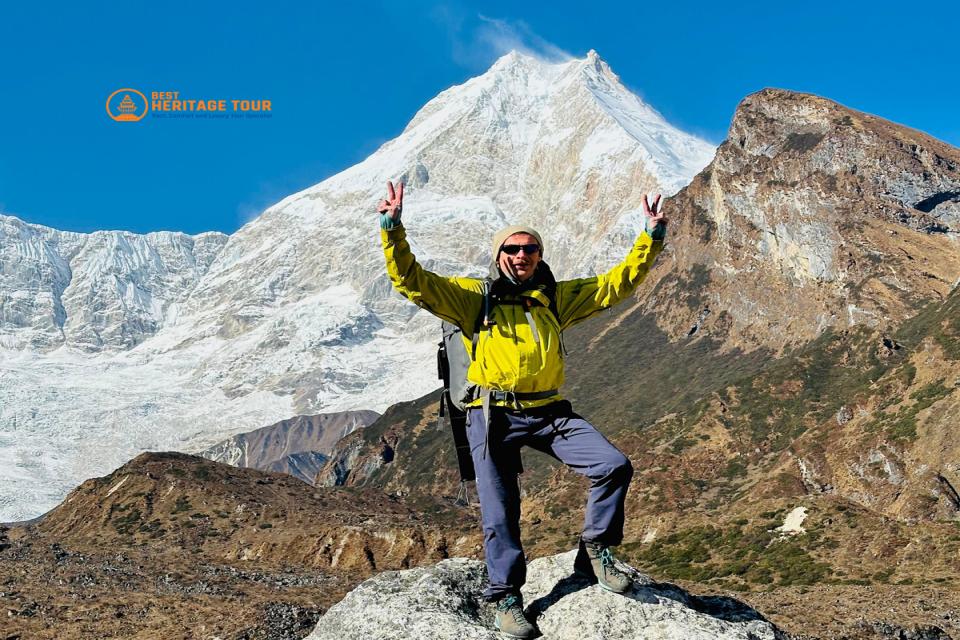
x: 462, y: 391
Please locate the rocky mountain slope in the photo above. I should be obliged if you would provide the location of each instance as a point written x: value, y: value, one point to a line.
x: 293, y: 314
x: 743, y: 386
x: 175, y: 545
x: 299, y: 446
x: 171, y: 545
x: 811, y: 216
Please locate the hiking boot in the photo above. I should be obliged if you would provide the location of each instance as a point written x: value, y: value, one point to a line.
x: 510, y: 619
x: 596, y: 561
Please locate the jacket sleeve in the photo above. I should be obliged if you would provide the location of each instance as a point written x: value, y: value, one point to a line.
x: 579, y: 299
x: 455, y: 300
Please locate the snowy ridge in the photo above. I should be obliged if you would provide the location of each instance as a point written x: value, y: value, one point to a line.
x: 117, y: 343
x: 106, y: 290
x: 674, y: 155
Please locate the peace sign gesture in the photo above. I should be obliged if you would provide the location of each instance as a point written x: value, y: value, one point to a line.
x: 656, y: 222
x: 392, y: 207
x: 654, y: 214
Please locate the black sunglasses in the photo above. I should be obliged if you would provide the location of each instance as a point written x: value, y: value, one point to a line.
x: 514, y: 249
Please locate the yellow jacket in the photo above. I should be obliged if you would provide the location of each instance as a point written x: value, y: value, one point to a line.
x: 521, y: 352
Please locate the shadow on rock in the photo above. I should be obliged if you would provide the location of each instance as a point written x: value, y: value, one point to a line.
x: 572, y: 584
x: 649, y: 592
x: 721, y: 607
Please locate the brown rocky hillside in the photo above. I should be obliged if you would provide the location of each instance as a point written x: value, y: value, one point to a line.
x: 297, y: 446
x: 176, y: 546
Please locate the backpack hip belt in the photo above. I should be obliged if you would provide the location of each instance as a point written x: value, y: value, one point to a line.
x: 492, y: 395
x: 515, y: 397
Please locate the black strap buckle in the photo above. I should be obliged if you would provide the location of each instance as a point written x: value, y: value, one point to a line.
x: 514, y: 397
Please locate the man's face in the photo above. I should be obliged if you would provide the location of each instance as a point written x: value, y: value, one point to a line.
x: 521, y: 264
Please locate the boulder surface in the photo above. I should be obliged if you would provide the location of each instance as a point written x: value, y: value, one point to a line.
x: 443, y: 601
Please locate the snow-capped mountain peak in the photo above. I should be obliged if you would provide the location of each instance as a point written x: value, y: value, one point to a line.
x: 293, y: 313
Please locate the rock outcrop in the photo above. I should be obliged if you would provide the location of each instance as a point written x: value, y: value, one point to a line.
x: 811, y: 216
x: 442, y: 602
x: 364, y: 456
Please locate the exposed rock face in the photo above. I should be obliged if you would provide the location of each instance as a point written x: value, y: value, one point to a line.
x: 442, y: 602
x: 298, y: 446
x: 304, y: 465
x: 368, y: 456
x: 353, y: 461
x: 811, y: 216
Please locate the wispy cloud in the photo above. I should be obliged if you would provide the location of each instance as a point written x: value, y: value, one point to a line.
x: 477, y: 40
x: 503, y: 36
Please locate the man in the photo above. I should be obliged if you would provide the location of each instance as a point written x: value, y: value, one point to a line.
x: 513, y: 334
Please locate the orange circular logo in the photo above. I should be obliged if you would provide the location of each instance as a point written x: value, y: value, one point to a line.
x: 127, y: 105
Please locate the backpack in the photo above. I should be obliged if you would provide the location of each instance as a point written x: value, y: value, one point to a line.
x: 453, y: 361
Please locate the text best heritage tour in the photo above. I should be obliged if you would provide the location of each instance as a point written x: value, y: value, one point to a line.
x: 170, y: 101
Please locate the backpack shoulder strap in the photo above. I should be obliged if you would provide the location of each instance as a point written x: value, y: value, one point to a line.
x: 491, y: 300
x: 485, y: 317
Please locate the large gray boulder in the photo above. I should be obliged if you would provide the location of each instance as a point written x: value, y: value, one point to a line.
x: 443, y: 602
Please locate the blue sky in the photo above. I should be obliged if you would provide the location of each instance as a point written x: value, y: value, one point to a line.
x: 344, y: 79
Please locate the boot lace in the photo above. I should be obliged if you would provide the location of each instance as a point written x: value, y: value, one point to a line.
x: 607, y: 562
x: 511, y: 605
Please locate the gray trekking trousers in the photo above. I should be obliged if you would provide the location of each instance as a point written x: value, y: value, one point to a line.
x: 556, y: 430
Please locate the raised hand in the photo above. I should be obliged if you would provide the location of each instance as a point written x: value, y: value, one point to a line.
x: 392, y: 207
x: 656, y: 222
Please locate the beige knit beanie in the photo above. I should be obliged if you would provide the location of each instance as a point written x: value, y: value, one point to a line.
x: 500, y: 237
